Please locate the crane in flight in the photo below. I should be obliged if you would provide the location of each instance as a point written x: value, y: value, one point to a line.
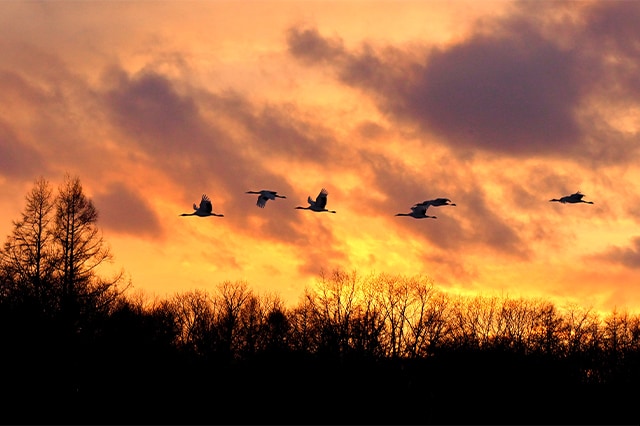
x: 573, y: 198
x: 319, y: 204
x: 265, y: 195
x: 418, y: 211
x: 205, y: 208
x: 441, y: 201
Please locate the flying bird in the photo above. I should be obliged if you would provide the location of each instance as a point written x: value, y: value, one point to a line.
x: 418, y: 211
x: 264, y: 196
x: 319, y: 204
x: 573, y: 198
x: 205, y: 208
x: 436, y: 202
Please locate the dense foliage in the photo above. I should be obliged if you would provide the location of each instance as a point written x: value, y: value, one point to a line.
x: 356, y: 349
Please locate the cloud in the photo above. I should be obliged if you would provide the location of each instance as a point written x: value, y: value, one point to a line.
x: 627, y: 256
x: 309, y: 46
x: 506, y: 95
x: 218, y: 143
x: 17, y: 158
x: 122, y: 210
x: 612, y: 27
x: 149, y: 107
x: 511, y: 94
x: 521, y: 85
x: 472, y: 222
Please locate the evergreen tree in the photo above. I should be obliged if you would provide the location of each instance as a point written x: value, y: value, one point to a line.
x: 27, y: 259
x: 80, y: 250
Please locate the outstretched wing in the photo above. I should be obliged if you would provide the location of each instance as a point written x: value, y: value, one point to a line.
x: 321, y: 199
x: 421, y: 206
x: 577, y: 195
x: 440, y: 201
x: 420, y: 209
x: 262, y: 201
x: 205, y: 204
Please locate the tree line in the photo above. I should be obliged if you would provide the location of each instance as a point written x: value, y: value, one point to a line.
x: 377, y: 348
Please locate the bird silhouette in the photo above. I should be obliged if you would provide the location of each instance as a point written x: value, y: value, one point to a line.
x: 319, y: 204
x: 573, y: 198
x: 205, y: 208
x: 436, y: 202
x: 418, y: 211
x: 264, y: 196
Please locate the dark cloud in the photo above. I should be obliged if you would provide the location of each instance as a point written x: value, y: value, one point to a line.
x: 217, y: 143
x: 279, y: 131
x: 307, y: 45
x: 148, y: 107
x: 484, y: 227
x: 505, y: 95
x: 614, y: 26
x: 370, y: 130
x: 627, y: 256
x: 17, y: 158
x: 123, y: 211
x: 22, y: 154
x: 521, y: 85
x: 472, y: 222
x: 211, y: 133
x: 509, y: 94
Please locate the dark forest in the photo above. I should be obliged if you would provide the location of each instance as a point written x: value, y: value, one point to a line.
x: 357, y: 349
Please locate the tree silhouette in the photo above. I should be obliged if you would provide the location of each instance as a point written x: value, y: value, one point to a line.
x: 53, y: 304
x: 232, y: 297
x: 333, y: 306
x: 27, y: 260
x: 548, y: 331
x: 81, y: 249
x: 275, y: 337
x: 194, y: 313
x: 396, y: 348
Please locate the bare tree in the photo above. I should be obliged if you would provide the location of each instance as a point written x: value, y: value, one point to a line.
x: 394, y: 298
x: 468, y: 320
x: 579, y: 321
x: 305, y: 333
x: 368, y: 324
x: 334, y: 306
x: 276, y: 334
x: 431, y: 325
x: 250, y: 326
x: 195, y: 319
x: 548, y: 332
x: 231, y: 296
x: 519, y: 319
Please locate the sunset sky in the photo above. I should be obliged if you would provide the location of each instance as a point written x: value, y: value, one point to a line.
x: 498, y: 105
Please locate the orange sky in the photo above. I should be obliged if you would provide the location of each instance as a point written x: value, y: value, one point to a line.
x: 499, y: 106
